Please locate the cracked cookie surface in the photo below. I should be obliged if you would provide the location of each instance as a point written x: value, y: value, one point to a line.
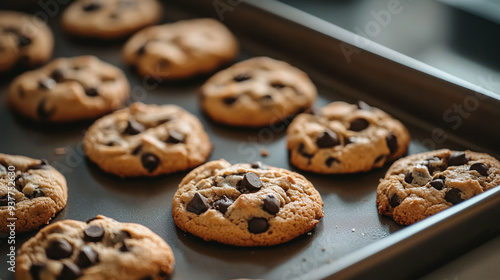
x: 345, y: 138
x: 257, y: 92
x: 69, y: 89
x: 37, y: 192
x: 110, y: 19
x: 99, y: 249
x: 420, y: 185
x: 147, y: 140
x: 181, y: 49
x: 246, y: 204
x: 25, y: 41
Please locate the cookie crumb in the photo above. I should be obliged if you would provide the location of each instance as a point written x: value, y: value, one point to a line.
x: 323, y: 249
x: 353, y: 229
x: 60, y: 151
x: 309, y: 233
x: 264, y: 152
x: 304, y: 259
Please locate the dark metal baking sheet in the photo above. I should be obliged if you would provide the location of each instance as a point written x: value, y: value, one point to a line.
x: 352, y: 241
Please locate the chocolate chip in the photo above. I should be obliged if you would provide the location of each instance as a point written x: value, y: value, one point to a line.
x: 42, y: 112
x: 438, y: 184
x: 35, y: 270
x: 70, y: 271
x: 4, y: 201
x: 35, y: 193
x: 349, y: 140
x: 134, y: 127
x: 408, y: 177
x: 121, y: 236
x: 91, y: 219
x: 111, y: 143
x: 87, y: 257
x: 330, y: 160
x: 303, y: 152
x: 198, y: 204
x: 59, y: 249
x: 125, y: 247
x: 457, y: 159
x: 363, y: 106
x: 258, y: 165
x: 480, y: 167
x: 150, y: 162
x: 93, y: 233
x: 267, y: 98
x: 23, y: 41
x: 379, y: 159
x: 257, y: 225
x: 392, y: 142
x: 46, y: 83
x: 242, y: 77
x: 229, y: 100
x: 277, y: 85
x: 175, y: 137
x: 395, y: 201
x: 359, y: 124
x: 137, y: 150
x: 328, y: 139
x: 142, y: 50
x: 94, y: 6
x: 251, y: 182
x: 58, y: 75
x: 44, y: 164
x: 164, y: 120
x: 271, y: 204
x: 222, y: 204
x: 453, y: 196
x: 92, y: 92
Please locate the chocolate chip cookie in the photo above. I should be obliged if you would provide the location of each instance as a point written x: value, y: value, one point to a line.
x: 147, y: 140
x: 69, y: 89
x: 257, y: 92
x: 181, y: 49
x: 31, y: 193
x: 25, y: 41
x: 246, y: 204
x: 98, y: 249
x: 110, y: 19
x: 345, y: 138
x: 420, y: 185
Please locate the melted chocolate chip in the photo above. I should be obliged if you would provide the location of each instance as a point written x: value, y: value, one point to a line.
x: 223, y: 204
x: 363, y: 106
x: 242, y: 77
x: 454, y: 196
x: 35, y: 193
x: 137, y: 150
x: 44, y: 164
x: 94, y: 6
x: 42, y: 112
x: 23, y: 41
x: 198, y: 204
x: 250, y: 182
x: 277, y: 85
x: 257, y: 225
x: 58, y: 75
x: 35, y: 270
x: 408, y: 177
x: 92, y: 92
x: 47, y: 83
x: 258, y: 165
x: 70, y: 271
x: 4, y: 201
x: 150, y: 162
x: 271, y: 204
x: 93, y: 233
x: 230, y: 100
x: 134, y: 127
x: 125, y: 247
x: 480, y: 167
x: 438, y: 184
x: 327, y: 139
x: 59, y: 249
x: 392, y: 142
x: 395, y: 201
x: 330, y: 160
x: 175, y: 137
x: 359, y: 124
x: 457, y: 159
x: 87, y: 257
x: 303, y: 152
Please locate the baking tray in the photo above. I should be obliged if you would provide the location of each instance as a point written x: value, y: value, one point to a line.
x: 352, y: 241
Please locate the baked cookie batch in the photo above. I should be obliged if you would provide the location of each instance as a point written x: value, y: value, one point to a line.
x: 242, y: 204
